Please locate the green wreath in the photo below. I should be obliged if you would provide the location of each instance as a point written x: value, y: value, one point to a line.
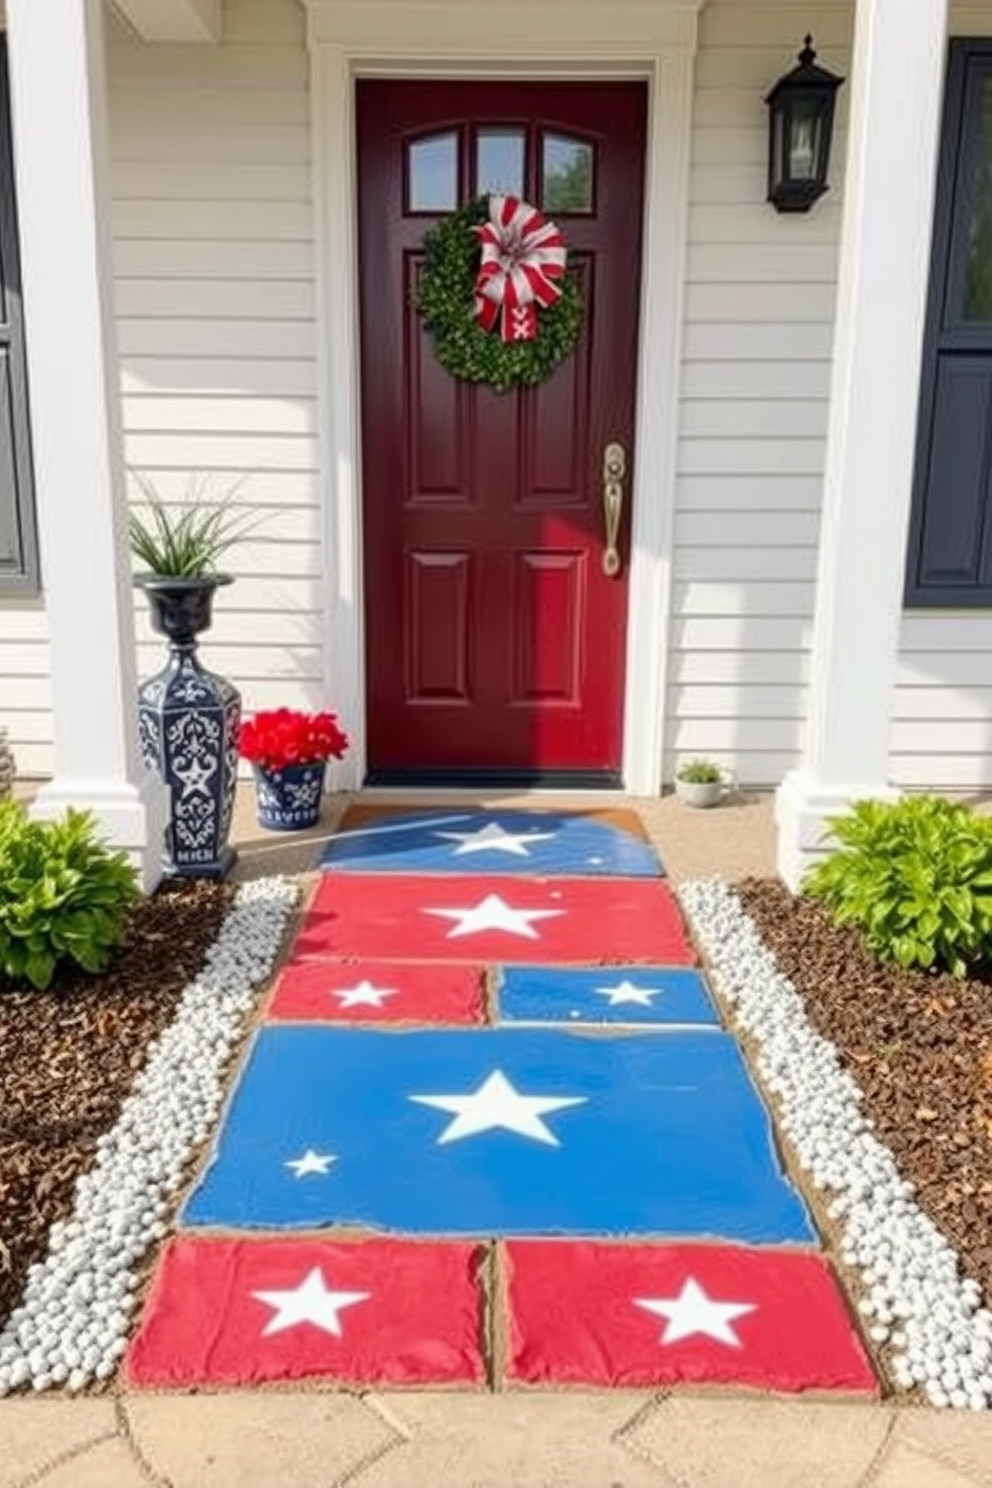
x: 445, y: 299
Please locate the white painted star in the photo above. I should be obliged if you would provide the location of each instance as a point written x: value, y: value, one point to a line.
x: 365, y: 994
x: 493, y: 913
x: 626, y: 992
x: 310, y: 1162
x: 692, y: 1312
x: 494, y: 838
x: 310, y: 1302
x: 496, y: 1104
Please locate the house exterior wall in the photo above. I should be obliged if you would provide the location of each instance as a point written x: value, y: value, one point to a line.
x: 213, y: 239
x: 760, y: 305
x: 213, y: 231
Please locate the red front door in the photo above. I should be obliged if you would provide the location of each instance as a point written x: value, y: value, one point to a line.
x: 495, y: 640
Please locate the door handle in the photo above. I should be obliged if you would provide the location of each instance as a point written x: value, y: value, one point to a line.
x: 614, y: 470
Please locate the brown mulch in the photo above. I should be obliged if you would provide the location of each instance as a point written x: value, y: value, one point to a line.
x: 919, y: 1046
x: 69, y: 1056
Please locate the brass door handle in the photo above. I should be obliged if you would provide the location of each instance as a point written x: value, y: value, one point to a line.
x: 614, y: 469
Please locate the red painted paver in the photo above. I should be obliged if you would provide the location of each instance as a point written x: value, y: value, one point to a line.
x: 377, y: 992
x: 495, y: 919
x: 243, y: 1312
x: 629, y: 1315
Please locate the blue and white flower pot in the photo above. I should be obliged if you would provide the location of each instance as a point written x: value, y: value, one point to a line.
x: 289, y: 799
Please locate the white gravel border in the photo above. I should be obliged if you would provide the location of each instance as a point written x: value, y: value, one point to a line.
x: 934, y: 1331
x: 73, y: 1320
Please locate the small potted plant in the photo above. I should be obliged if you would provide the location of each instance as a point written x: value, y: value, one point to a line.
x: 188, y: 717
x: 288, y: 751
x: 700, y: 782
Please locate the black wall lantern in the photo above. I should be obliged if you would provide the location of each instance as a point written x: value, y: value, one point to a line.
x: 801, y: 122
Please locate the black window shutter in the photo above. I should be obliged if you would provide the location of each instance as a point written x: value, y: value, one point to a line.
x: 949, y: 554
x: 19, y: 568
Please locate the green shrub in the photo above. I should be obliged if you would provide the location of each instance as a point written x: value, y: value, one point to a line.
x: 699, y: 772
x: 915, y: 876
x: 64, y: 896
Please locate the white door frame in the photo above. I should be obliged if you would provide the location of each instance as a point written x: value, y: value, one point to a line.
x: 650, y: 39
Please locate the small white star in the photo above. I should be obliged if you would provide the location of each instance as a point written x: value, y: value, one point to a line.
x: 493, y: 913
x: 626, y: 992
x: 692, y: 1312
x: 310, y: 1302
x: 365, y: 994
x: 310, y: 1162
x: 494, y: 838
x: 496, y: 1104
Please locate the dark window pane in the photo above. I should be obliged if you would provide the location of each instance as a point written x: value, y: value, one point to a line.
x: 432, y: 174
x: 567, y: 174
x: 976, y: 295
x: 499, y: 161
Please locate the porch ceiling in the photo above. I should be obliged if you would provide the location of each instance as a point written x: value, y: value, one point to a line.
x: 172, y: 20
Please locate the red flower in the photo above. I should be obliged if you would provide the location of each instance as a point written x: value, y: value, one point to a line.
x: 284, y: 736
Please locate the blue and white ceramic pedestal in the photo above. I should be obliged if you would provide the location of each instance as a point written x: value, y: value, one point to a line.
x: 188, y: 720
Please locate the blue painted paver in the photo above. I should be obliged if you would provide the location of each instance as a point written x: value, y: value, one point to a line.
x: 653, y: 995
x: 487, y: 842
x: 640, y: 1134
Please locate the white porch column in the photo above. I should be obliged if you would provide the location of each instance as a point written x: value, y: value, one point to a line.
x: 58, y: 99
x: 896, y: 89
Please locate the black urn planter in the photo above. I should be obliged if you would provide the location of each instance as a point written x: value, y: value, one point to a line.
x: 188, y: 720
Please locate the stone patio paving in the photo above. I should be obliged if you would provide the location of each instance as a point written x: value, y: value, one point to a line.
x: 449, y: 1439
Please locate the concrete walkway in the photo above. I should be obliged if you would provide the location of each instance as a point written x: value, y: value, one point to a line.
x: 451, y: 1439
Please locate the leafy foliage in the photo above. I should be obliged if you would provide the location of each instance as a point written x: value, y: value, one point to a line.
x: 699, y: 772
x: 915, y: 876
x: 187, y: 543
x: 445, y: 298
x: 64, y: 896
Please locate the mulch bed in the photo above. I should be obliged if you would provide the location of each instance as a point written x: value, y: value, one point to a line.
x: 919, y: 1046
x: 69, y: 1056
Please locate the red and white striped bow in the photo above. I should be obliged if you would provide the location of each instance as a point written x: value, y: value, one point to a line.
x: 523, y: 258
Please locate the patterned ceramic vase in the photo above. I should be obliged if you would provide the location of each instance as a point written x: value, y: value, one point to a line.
x: 188, y: 720
x: 289, y: 799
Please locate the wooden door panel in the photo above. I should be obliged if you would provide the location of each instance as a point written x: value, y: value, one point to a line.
x: 548, y: 605
x: 436, y: 627
x: 494, y: 640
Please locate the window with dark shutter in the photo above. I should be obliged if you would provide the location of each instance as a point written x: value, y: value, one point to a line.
x: 950, y: 541
x: 18, y: 540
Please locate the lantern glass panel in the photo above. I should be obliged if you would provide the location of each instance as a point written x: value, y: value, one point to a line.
x: 805, y: 139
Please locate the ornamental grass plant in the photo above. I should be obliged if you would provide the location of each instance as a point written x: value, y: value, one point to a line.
x: 185, y: 541
x: 915, y: 877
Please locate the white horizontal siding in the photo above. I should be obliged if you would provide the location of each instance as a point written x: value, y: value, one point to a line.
x: 755, y: 381
x: 213, y: 232
x: 25, y: 695
x: 755, y: 384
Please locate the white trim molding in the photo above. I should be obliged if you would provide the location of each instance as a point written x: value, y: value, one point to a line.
x: 467, y: 38
x: 61, y: 163
x: 172, y: 20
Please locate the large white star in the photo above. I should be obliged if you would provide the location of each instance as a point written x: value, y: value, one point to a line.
x: 626, y: 992
x: 310, y: 1162
x: 494, y: 838
x: 364, y: 994
x: 493, y: 913
x: 496, y: 1104
x: 310, y: 1302
x: 692, y: 1311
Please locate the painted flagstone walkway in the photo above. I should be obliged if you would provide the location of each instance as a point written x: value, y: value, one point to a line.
x: 492, y: 1130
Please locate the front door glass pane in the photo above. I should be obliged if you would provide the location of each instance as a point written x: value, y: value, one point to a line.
x: 499, y: 162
